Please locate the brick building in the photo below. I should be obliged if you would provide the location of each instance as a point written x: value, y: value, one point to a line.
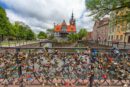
x: 100, y: 30
x: 63, y: 29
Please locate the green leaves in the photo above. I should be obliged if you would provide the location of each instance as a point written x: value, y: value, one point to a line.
x: 77, y: 36
x: 82, y: 33
x: 17, y: 30
x: 23, y: 32
x: 100, y: 8
x: 5, y: 25
x: 73, y: 37
x: 42, y: 35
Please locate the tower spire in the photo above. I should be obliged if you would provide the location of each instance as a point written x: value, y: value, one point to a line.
x: 72, y: 20
x: 72, y: 15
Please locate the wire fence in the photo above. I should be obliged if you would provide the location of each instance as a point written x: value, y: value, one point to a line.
x: 91, y: 67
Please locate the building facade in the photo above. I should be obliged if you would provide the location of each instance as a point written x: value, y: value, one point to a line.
x: 63, y: 29
x: 89, y: 36
x: 119, y: 26
x: 100, y: 30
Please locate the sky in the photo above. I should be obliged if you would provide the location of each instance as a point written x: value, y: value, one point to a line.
x: 41, y: 15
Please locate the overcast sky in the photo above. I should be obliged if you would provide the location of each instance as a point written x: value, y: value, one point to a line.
x: 40, y: 15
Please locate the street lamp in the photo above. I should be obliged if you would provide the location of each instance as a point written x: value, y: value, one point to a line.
x: 97, y: 36
x: 124, y: 39
x: 125, y: 36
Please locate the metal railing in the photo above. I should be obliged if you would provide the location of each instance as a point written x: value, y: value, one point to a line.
x: 36, y: 66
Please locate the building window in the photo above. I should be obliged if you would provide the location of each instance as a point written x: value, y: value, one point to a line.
x: 128, y: 26
x: 112, y: 37
x: 117, y: 37
x: 109, y: 38
x: 121, y: 37
x: 118, y: 28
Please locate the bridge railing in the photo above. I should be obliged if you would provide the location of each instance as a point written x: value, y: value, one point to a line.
x: 31, y: 66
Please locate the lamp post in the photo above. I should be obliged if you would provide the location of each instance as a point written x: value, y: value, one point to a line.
x: 97, y: 36
x: 124, y: 39
x: 125, y: 36
x: 0, y: 40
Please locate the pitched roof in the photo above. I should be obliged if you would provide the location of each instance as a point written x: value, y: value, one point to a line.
x: 103, y: 22
x: 70, y: 28
x: 57, y: 28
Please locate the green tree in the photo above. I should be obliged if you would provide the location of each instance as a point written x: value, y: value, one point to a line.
x: 5, y: 25
x: 30, y: 35
x: 82, y: 33
x: 73, y: 37
x: 50, y: 34
x: 100, y: 8
x: 42, y: 35
x: 23, y: 32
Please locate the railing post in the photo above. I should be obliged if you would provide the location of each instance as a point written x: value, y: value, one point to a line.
x: 19, y: 67
x: 91, y: 79
x: 118, y: 44
x: 0, y: 43
x: 40, y: 44
x: 124, y: 45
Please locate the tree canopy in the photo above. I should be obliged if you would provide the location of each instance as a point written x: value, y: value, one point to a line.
x: 23, y: 31
x: 42, y: 35
x: 100, y: 8
x: 18, y: 30
x: 73, y: 37
x: 5, y: 25
x: 82, y: 33
x: 77, y: 36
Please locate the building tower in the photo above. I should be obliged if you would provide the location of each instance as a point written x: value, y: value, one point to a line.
x: 72, y: 20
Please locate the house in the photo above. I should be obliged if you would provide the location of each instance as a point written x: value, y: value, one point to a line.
x: 63, y: 29
x: 119, y: 27
x: 100, y: 29
x: 89, y: 36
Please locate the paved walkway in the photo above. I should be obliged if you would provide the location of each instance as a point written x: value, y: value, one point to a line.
x: 19, y: 44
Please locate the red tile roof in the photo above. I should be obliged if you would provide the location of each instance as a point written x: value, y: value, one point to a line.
x: 70, y: 28
x: 57, y: 28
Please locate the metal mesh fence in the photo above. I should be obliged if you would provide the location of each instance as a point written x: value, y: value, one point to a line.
x: 91, y: 67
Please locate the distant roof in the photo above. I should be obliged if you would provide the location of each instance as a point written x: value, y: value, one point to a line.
x: 102, y: 22
x: 69, y: 28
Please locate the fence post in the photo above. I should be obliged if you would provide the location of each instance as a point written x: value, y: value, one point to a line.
x: 91, y: 79
x: 19, y: 67
x: 118, y: 44
x: 40, y: 44
x: 124, y: 45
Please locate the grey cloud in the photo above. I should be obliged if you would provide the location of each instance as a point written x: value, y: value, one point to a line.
x: 41, y: 14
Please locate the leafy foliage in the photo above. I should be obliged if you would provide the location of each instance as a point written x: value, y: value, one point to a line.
x: 17, y: 31
x: 5, y: 25
x: 23, y: 32
x: 73, y: 37
x: 42, y: 35
x: 100, y: 8
x: 77, y: 36
x: 82, y: 33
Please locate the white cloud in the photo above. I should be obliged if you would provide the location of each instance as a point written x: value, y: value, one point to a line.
x: 41, y: 14
x: 85, y: 21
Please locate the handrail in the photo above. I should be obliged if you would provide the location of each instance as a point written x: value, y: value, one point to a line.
x: 97, y: 48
